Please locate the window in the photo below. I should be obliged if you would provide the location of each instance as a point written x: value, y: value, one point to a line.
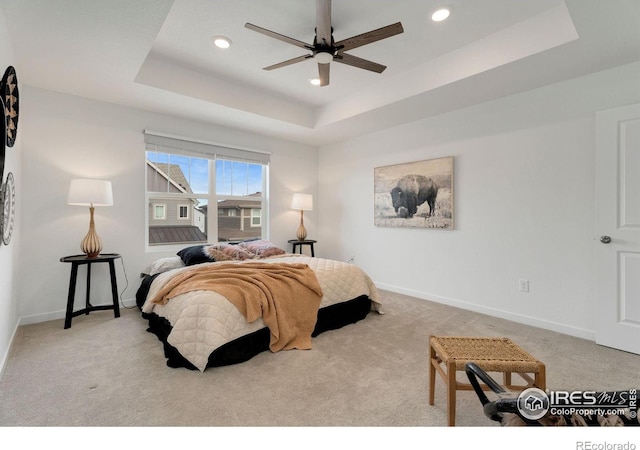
x: 159, y: 211
x: 256, y: 217
x: 183, y: 178
x: 183, y: 212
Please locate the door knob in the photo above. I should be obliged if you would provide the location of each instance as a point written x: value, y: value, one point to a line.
x: 605, y: 239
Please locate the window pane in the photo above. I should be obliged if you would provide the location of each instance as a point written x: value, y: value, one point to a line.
x: 177, y: 173
x: 185, y: 221
x: 200, y: 175
x: 237, y: 178
x: 156, y: 182
x: 236, y: 219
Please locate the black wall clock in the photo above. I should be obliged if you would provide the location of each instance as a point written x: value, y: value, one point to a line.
x: 11, y: 97
x: 8, y: 197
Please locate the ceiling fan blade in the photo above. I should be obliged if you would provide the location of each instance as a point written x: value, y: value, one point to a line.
x: 323, y: 22
x: 323, y: 71
x: 351, y: 60
x: 288, y: 62
x: 278, y: 36
x: 369, y: 37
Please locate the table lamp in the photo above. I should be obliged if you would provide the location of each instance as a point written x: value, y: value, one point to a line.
x: 303, y: 202
x: 83, y: 192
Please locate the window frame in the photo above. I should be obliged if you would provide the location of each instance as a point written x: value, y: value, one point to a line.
x: 161, y: 143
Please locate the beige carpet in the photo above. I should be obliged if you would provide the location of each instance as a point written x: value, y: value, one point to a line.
x: 111, y: 372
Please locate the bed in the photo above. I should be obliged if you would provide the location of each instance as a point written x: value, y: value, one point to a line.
x: 196, y: 302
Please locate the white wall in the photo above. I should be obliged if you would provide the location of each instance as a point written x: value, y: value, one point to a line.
x: 524, y: 189
x: 524, y: 204
x: 67, y: 137
x: 9, y: 254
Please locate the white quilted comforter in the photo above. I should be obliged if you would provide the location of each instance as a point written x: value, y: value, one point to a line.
x: 202, y: 321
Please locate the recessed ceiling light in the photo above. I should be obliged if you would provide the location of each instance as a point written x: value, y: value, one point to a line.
x: 441, y: 14
x: 314, y: 81
x: 221, y: 41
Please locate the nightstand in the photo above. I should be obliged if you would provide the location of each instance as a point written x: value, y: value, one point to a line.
x: 78, y: 260
x: 297, y: 243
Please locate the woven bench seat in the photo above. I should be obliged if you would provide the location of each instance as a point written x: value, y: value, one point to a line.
x: 450, y: 354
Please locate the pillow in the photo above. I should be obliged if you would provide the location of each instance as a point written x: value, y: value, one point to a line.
x: 199, y: 254
x: 261, y: 248
x: 163, y: 265
x: 194, y: 255
x: 236, y: 252
x: 271, y: 251
x: 216, y: 254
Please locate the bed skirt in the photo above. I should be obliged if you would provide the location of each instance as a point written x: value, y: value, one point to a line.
x: 246, y: 347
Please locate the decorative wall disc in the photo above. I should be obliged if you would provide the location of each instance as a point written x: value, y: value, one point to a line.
x: 11, y: 98
x: 8, y: 197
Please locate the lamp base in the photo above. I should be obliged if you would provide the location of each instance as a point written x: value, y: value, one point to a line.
x: 301, y: 234
x: 91, y: 245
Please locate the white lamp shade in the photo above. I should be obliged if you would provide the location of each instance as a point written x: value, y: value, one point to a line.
x: 83, y: 192
x: 303, y: 202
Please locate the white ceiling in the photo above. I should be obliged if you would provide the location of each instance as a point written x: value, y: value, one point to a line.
x: 157, y: 55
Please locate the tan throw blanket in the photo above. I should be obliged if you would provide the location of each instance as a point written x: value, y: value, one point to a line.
x: 286, y: 296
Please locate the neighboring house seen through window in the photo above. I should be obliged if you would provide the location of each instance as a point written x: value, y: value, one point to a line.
x: 183, y: 178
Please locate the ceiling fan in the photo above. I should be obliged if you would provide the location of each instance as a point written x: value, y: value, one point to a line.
x: 325, y: 50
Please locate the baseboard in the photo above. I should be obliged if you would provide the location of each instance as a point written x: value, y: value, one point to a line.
x: 57, y: 315
x: 519, y: 318
x: 5, y: 357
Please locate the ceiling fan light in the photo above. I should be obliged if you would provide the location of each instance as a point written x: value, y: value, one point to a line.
x: 221, y: 41
x: 441, y: 14
x: 323, y: 57
x: 314, y: 81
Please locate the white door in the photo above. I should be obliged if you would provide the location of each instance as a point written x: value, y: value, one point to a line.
x: 618, y: 228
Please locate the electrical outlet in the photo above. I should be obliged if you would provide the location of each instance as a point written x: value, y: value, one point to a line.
x: 524, y: 285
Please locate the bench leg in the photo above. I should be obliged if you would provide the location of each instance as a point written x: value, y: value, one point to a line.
x: 541, y: 377
x: 432, y: 374
x: 451, y: 392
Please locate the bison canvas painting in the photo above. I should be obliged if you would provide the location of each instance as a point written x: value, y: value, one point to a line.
x: 417, y: 194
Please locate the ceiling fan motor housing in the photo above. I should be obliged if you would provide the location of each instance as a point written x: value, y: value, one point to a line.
x: 323, y: 57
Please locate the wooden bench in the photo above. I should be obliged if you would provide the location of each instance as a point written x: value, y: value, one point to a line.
x: 450, y: 354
